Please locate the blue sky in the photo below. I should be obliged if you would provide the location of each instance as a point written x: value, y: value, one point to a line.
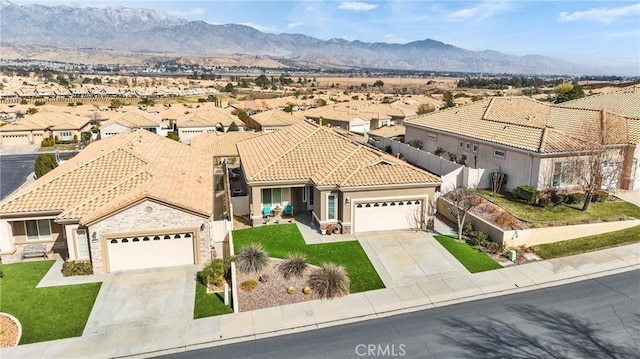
x: 602, y: 33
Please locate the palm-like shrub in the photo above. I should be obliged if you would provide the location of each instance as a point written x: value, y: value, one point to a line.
x: 294, y: 265
x: 251, y: 259
x: 216, y: 271
x: 329, y: 281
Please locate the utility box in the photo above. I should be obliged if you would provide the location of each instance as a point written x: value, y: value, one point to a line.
x: 512, y: 255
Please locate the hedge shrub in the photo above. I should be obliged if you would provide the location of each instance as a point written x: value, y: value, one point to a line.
x: 71, y: 268
x: 527, y: 193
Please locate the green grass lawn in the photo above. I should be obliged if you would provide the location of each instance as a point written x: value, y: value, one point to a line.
x: 588, y: 244
x: 279, y: 240
x: 564, y: 212
x: 471, y: 258
x: 208, y: 305
x: 45, y: 313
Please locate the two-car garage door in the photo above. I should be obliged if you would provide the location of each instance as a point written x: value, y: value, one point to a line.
x: 150, y: 251
x: 387, y: 215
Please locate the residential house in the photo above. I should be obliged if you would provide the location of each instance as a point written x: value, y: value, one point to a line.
x: 32, y: 129
x: 339, y: 116
x: 221, y: 144
x: 131, y: 120
x: 131, y: 201
x: 208, y: 119
x: 272, y: 120
x: 534, y: 143
x: 312, y: 168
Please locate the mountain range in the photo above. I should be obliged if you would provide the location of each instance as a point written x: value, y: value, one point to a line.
x: 148, y: 31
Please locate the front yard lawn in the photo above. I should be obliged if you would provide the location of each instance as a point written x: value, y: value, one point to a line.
x: 209, y: 304
x: 471, y: 258
x: 564, y: 212
x: 45, y: 313
x: 279, y: 240
x: 588, y: 244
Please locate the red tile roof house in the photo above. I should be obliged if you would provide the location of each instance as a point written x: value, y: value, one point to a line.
x: 337, y: 180
x: 535, y: 142
x: 133, y: 200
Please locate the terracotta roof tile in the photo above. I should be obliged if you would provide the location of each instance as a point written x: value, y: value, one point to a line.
x: 307, y: 151
x: 625, y: 102
x: 221, y: 144
x: 275, y: 118
x: 117, y: 170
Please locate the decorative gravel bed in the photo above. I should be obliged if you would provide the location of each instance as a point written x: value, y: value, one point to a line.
x: 273, y: 291
x: 8, y: 332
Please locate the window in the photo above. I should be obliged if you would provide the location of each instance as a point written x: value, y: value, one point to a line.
x: 81, y: 243
x: 564, y: 174
x: 272, y: 197
x: 38, y: 230
x: 475, y: 147
x: 305, y: 194
x: 468, y: 146
x: 66, y: 136
x: 331, y: 206
x: 432, y: 136
x: 499, y: 154
x: 461, y: 144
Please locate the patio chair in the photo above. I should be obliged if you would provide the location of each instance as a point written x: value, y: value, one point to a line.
x: 288, y: 210
x: 266, y: 211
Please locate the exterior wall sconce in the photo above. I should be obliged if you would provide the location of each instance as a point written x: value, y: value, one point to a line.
x: 202, y: 227
x: 347, y: 200
x: 94, y: 237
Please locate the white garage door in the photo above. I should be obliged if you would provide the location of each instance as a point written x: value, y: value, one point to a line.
x: 150, y: 251
x: 387, y: 215
x: 12, y: 140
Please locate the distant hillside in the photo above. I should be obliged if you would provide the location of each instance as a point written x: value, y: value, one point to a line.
x: 140, y: 30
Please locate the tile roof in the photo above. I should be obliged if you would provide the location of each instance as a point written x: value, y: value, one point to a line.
x: 42, y: 120
x: 221, y: 144
x: 625, y: 102
x: 388, y: 131
x: 135, y: 119
x: 307, y: 151
x: 275, y: 118
x: 207, y: 117
x: 117, y: 171
x: 530, y: 125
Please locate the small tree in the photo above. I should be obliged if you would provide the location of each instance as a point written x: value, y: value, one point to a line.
x: 378, y: 84
x: 233, y: 127
x: 459, y: 202
x: 44, y: 164
x: 32, y: 111
x: 425, y: 108
x: 597, y: 169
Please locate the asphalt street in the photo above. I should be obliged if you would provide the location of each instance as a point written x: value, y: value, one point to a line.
x: 14, y: 170
x: 597, y: 318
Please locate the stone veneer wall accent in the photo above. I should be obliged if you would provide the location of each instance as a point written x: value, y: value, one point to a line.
x: 139, y: 219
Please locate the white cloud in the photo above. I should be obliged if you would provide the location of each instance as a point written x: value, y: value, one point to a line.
x: 356, y: 6
x: 293, y: 25
x: 601, y: 15
x: 260, y: 27
x: 482, y: 11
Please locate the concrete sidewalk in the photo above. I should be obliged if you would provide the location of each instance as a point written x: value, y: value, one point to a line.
x: 189, y: 334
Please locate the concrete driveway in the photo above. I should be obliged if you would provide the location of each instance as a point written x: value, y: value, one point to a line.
x: 143, y: 298
x: 408, y: 257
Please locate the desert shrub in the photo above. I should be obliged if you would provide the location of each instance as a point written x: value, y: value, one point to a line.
x: 306, y: 290
x: 439, y: 151
x: 47, y: 142
x: 216, y: 271
x: 252, y: 258
x: 264, y: 278
x: 575, y: 198
x: 415, y: 143
x: 294, y: 265
x: 39, y: 102
x: 249, y: 285
x: 329, y: 281
x: 291, y: 290
x: 467, y: 228
x: 527, y: 193
x: 388, y: 149
x: 24, y: 102
x: 505, y: 220
x: 71, y: 268
x: 491, y: 247
x: 599, y: 196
